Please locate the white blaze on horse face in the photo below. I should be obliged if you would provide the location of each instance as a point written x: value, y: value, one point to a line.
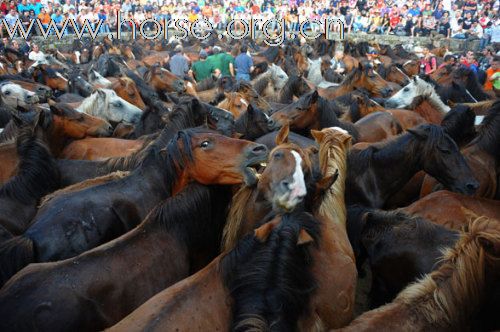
x: 77, y: 54
x: 298, y: 186
x: 244, y: 102
x: 60, y: 76
x: 343, y: 131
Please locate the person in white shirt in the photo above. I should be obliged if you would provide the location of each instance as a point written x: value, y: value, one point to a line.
x: 36, y: 54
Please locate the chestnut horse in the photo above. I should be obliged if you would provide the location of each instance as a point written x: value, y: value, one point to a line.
x: 452, y: 210
x: 192, y: 155
x: 483, y: 157
x: 62, y: 125
x: 101, y: 148
x: 448, y: 298
x: 194, y: 243
x: 126, y: 89
x: 162, y: 80
x: 264, y: 283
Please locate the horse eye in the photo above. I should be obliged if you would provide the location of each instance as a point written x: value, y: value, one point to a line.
x: 406, y: 89
x: 278, y: 155
x: 118, y: 104
x: 445, y: 151
x: 204, y: 144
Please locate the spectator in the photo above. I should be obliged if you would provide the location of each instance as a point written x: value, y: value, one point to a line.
x: 243, y: 65
x: 23, y: 7
x: 179, y: 65
x: 36, y: 54
x: 414, y: 11
x: 428, y: 64
x: 439, y: 12
x: 493, y: 76
x: 449, y: 60
x: 487, y: 34
x: 11, y: 18
x: 202, y: 69
x: 44, y: 18
x: 444, y: 27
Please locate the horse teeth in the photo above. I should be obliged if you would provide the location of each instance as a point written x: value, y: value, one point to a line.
x: 263, y: 164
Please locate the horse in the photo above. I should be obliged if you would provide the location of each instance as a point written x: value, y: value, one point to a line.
x: 62, y: 125
x: 482, y: 155
x: 469, y: 80
x: 42, y: 91
x: 127, y: 90
x: 78, y: 85
x: 50, y: 77
x: 107, y: 104
x: 269, y: 83
x: 194, y: 242
x: 122, y: 204
x: 264, y: 283
x: 252, y: 123
x: 36, y: 175
x: 426, y: 147
x: 13, y: 95
x: 235, y: 103
x: 447, y: 298
x: 452, y: 210
x: 187, y: 113
x: 92, y: 148
x: 361, y: 77
x: 386, y: 239
x: 162, y: 80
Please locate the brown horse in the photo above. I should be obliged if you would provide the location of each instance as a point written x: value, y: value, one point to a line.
x: 362, y: 77
x: 91, y: 148
x: 220, y: 294
x: 50, y: 77
x: 126, y: 88
x: 483, y: 157
x: 192, y: 155
x: 62, y: 125
x: 162, y: 80
x: 234, y: 103
x: 452, y: 210
x: 194, y: 243
x: 448, y: 298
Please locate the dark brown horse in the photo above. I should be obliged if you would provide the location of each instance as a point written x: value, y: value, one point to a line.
x: 264, y: 283
x: 388, y: 239
x: 66, y: 226
x: 186, y: 226
x: 36, y: 175
x: 483, y: 157
x: 425, y: 147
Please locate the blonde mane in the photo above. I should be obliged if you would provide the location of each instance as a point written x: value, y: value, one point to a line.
x: 447, y: 297
x: 235, y: 217
x: 334, y: 143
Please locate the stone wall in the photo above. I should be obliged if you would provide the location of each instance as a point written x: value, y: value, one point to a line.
x: 454, y: 45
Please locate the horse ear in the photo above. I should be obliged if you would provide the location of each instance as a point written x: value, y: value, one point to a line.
x: 282, y: 137
x: 55, y: 109
x: 455, y: 84
x: 451, y: 104
x: 314, y: 97
x: 304, y: 237
x: 262, y: 233
x: 326, y: 182
x: 418, y: 133
x: 318, y: 135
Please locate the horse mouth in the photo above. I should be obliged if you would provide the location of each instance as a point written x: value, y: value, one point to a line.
x: 252, y: 172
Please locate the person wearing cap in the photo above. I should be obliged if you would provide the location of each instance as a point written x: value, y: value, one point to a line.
x: 179, y: 65
x: 222, y: 61
x: 202, y: 69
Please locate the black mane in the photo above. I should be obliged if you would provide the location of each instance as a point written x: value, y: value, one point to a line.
x: 271, y: 282
x: 459, y: 124
x: 488, y: 138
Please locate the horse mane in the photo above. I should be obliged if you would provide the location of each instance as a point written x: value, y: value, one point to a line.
x: 15, y: 77
x: 328, y: 117
x: 90, y: 104
x: 488, y: 138
x: 261, y: 82
x: 37, y: 172
x: 271, y: 282
x: 333, y: 151
x: 459, y: 124
x: 442, y: 296
x: 472, y: 83
x: 82, y: 185
x: 271, y: 53
x: 195, y: 215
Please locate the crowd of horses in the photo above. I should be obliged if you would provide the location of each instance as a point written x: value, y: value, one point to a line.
x: 132, y: 199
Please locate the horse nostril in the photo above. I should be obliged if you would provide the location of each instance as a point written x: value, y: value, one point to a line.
x: 270, y: 122
x: 472, y: 186
x: 259, y: 149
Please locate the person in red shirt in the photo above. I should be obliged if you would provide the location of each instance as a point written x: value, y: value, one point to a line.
x: 428, y: 62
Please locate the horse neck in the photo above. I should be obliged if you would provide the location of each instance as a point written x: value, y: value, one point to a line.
x: 436, y: 101
x: 333, y: 157
x: 285, y: 95
x: 432, y: 114
x: 326, y: 115
x: 401, y: 156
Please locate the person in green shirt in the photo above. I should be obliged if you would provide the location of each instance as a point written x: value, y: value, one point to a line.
x: 202, y: 69
x: 222, y: 61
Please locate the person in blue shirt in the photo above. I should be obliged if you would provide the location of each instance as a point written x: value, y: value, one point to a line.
x: 243, y: 65
x: 36, y: 6
x: 23, y: 7
x: 414, y: 10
